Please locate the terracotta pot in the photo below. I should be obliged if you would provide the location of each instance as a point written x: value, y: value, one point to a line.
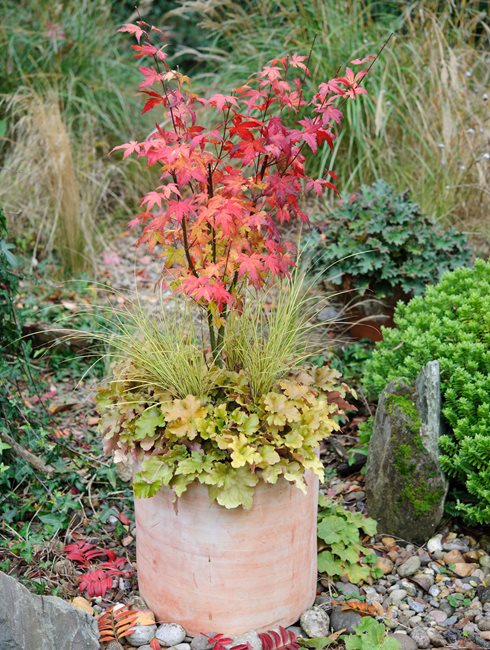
x: 370, y: 328
x: 217, y: 570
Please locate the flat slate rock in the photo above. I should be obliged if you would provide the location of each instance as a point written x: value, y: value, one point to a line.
x: 31, y: 622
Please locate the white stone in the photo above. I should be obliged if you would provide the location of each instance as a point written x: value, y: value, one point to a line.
x: 142, y: 634
x: 170, y: 634
x: 435, y: 544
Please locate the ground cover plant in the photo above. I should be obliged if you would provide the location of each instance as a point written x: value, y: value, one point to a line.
x: 377, y: 243
x: 450, y: 323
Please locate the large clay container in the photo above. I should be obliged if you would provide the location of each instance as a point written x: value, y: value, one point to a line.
x: 217, y: 570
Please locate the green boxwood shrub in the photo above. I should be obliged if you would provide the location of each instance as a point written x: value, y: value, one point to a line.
x: 378, y: 242
x: 451, y: 323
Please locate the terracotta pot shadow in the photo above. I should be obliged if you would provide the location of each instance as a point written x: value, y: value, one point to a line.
x: 217, y: 570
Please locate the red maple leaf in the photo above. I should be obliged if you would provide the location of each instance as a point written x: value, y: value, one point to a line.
x: 220, y: 101
x: 251, y: 265
x: 128, y: 148
x: 132, y: 29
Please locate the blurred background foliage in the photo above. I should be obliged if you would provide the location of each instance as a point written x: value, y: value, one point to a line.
x: 68, y: 95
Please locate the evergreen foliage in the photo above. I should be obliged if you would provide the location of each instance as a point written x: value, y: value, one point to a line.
x: 451, y: 324
x: 378, y: 241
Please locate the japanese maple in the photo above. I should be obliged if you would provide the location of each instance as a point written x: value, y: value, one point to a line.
x: 231, y: 171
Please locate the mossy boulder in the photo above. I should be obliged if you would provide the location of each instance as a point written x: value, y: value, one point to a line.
x: 405, y: 485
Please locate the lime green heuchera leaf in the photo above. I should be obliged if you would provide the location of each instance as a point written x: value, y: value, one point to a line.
x: 155, y: 470
x: 295, y: 473
x: 235, y: 487
x: 268, y: 456
x: 272, y: 473
x: 241, y: 452
x: 280, y: 408
x: 148, y: 421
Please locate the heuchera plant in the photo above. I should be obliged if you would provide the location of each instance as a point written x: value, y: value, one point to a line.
x: 226, y: 184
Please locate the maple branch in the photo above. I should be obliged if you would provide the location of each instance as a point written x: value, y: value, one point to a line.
x: 225, y: 126
x: 187, y: 252
x: 159, y: 70
x: 211, y: 228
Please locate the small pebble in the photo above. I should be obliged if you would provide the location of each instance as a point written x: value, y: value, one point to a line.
x: 410, y: 567
x: 397, y: 595
x: 141, y: 634
x: 421, y: 638
x: 385, y: 564
x: 251, y: 638
x: 415, y: 605
x: 434, y: 544
x: 406, y: 643
x: 436, y: 639
x: 437, y: 615
x: 344, y: 619
x: 456, y: 545
x: 200, y: 642
x: 315, y: 622
x: 347, y: 589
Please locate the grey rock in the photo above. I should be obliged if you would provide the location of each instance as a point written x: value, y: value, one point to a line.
x: 325, y: 601
x: 456, y: 545
x: 182, y: 646
x: 452, y: 636
x: 141, y: 635
x: 397, y: 595
x: 42, y: 622
x: 250, y: 637
x: 295, y: 629
x: 452, y: 620
x: 170, y: 634
x: 421, y: 638
x: 200, y: 642
x: 406, y: 643
x: 436, y: 639
x: 484, y: 625
x: 438, y: 615
x: 424, y: 581
x: 416, y: 606
x: 115, y: 645
x: 409, y: 587
x: 315, y: 622
x: 328, y: 313
x: 484, y: 595
x: 405, y: 485
x: 344, y: 619
x: 434, y: 591
x: 410, y: 567
x: 347, y: 589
